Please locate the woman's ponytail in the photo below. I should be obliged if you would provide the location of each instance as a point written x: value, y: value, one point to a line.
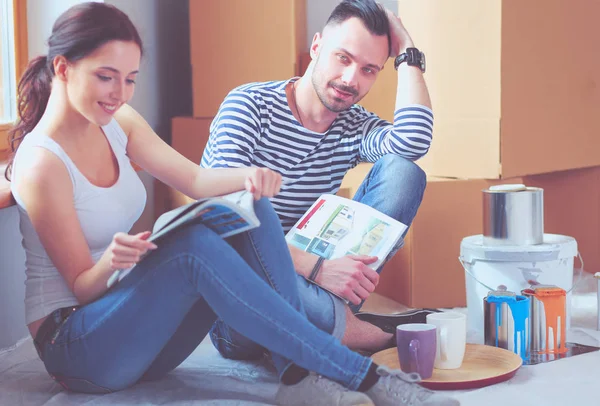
x: 33, y: 93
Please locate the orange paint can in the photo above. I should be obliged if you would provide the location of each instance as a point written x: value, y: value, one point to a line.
x: 548, y: 315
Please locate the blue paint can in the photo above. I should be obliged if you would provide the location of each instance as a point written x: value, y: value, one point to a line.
x: 506, y: 322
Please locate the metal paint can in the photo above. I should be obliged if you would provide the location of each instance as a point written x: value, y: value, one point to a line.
x: 548, y: 313
x: 506, y: 322
x: 513, y: 215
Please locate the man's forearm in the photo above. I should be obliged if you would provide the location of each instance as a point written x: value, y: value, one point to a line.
x: 303, y: 261
x: 411, y: 88
x: 411, y: 85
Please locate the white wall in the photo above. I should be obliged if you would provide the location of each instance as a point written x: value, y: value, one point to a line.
x: 317, y: 12
x: 12, y: 279
x: 41, y: 15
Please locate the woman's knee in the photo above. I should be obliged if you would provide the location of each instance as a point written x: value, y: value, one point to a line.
x: 191, y: 238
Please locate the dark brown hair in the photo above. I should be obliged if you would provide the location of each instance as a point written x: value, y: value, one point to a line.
x: 372, y: 15
x: 78, y: 32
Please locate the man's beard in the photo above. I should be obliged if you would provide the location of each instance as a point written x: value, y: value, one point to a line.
x: 321, y: 91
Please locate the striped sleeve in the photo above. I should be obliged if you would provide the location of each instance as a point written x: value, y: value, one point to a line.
x: 234, y: 132
x: 410, y: 136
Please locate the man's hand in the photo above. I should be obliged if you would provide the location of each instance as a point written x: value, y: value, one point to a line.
x: 349, y: 277
x: 399, y: 36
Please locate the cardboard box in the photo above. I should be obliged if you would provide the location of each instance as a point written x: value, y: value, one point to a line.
x: 239, y: 41
x: 189, y: 136
x: 426, y: 271
x: 513, y: 85
x: 572, y: 207
x: 166, y: 198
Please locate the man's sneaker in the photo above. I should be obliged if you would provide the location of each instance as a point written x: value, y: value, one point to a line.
x: 316, y: 390
x: 388, y: 322
x: 399, y: 388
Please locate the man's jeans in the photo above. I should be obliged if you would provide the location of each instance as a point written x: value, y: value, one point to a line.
x: 152, y: 320
x: 395, y: 187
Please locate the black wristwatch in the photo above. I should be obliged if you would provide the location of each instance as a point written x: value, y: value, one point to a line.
x: 413, y: 57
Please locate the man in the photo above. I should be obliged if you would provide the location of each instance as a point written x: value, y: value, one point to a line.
x: 311, y: 130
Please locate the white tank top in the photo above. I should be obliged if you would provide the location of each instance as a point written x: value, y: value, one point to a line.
x: 102, y: 212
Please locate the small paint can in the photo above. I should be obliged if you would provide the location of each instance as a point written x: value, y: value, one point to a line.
x: 506, y: 321
x: 548, y: 319
x: 513, y: 215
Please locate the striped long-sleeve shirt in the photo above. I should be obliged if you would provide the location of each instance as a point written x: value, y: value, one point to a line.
x: 255, y: 127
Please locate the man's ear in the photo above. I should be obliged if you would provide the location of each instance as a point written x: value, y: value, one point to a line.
x: 61, y: 65
x: 315, y: 47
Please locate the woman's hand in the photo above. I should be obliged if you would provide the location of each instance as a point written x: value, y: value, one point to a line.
x: 126, y: 250
x: 262, y: 182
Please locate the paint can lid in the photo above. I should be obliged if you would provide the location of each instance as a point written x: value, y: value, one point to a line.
x: 517, y: 187
x: 554, y: 247
x: 501, y: 293
x: 548, y: 290
x: 511, y: 188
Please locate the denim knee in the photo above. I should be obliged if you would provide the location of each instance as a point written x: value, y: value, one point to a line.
x: 323, y: 310
x: 395, y: 186
x: 399, y: 171
x: 232, y: 345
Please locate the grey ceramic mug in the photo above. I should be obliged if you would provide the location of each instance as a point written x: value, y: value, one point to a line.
x: 417, y: 344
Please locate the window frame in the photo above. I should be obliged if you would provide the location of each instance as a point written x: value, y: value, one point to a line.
x: 21, y: 60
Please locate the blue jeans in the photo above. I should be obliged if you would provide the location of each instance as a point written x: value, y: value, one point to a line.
x: 152, y: 320
x: 395, y: 187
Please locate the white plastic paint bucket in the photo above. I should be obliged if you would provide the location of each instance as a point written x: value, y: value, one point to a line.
x: 515, y: 267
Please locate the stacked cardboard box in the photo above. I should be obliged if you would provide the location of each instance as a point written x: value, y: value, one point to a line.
x: 238, y: 41
x: 514, y: 87
x: 515, y: 97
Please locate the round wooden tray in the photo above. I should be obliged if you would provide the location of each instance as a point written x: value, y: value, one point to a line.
x: 483, y: 365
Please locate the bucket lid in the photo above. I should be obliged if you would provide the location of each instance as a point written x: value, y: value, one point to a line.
x: 554, y: 247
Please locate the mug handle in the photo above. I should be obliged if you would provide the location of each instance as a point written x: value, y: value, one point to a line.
x: 443, y: 344
x: 413, y: 348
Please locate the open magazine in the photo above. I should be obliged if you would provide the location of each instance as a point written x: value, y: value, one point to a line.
x: 225, y: 215
x: 335, y: 226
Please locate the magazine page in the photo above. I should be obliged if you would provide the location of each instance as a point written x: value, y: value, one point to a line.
x: 335, y: 226
x: 226, y: 215
x: 231, y: 215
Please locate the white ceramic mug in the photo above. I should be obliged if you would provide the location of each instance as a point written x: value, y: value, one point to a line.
x: 451, y: 338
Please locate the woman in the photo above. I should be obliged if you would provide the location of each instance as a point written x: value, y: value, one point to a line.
x: 78, y: 195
